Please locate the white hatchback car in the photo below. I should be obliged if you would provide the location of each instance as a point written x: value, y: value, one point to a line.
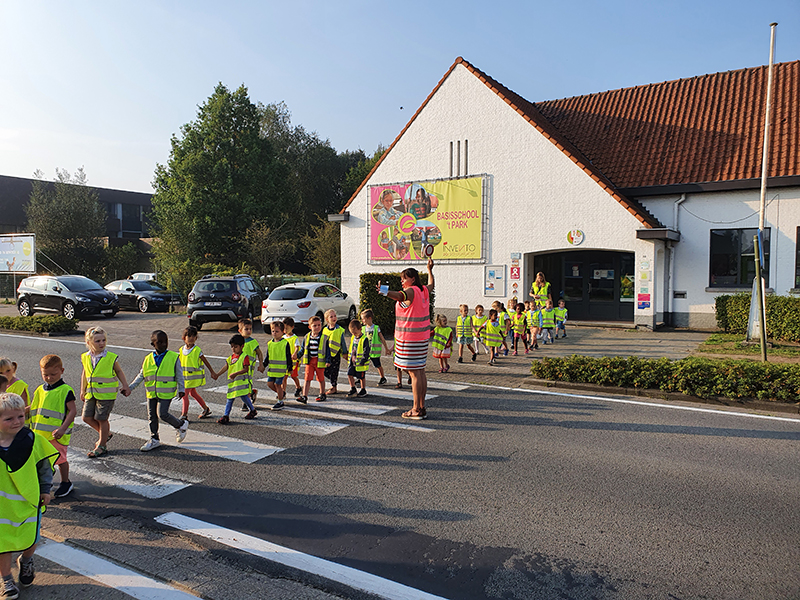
x: 301, y: 301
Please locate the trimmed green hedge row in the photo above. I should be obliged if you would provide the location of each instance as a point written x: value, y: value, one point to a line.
x: 700, y: 377
x: 51, y: 324
x: 381, y: 306
x: 783, y: 315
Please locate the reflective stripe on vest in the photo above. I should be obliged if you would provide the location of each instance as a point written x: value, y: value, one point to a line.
x: 493, y: 334
x: 243, y: 384
x: 194, y: 372
x: 464, y: 326
x: 18, y: 387
x: 548, y: 318
x: 20, y: 498
x: 358, y: 353
x: 413, y: 321
x: 375, y: 347
x: 292, y: 339
x: 161, y: 381
x: 533, y: 318
x: 322, y: 351
x: 48, y: 411
x: 440, y: 337
x: 561, y: 314
x: 335, y: 338
x: 520, y: 321
x: 101, y: 382
x: 277, y: 366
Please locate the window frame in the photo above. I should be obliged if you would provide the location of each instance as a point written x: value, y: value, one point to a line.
x: 744, y: 233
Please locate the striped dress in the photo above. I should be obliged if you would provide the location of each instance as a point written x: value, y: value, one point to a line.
x: 412, y: 331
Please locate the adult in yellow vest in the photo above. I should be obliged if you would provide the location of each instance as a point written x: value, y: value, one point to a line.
x: 540, y: 290
x: 163, y: 380
x: 26, y: 478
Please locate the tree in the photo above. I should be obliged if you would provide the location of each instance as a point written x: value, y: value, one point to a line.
x: 322, y: 245
x: 266, y: 246
x: 222, y: 176
x: 69, y: 222
x: 359, y: 172
x: 121, y: 261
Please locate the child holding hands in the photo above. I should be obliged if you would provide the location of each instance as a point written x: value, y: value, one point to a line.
x: 194, y: 375
x: 442, y: 343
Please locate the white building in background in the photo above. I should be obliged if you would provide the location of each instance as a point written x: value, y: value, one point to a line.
x: 639, y: 204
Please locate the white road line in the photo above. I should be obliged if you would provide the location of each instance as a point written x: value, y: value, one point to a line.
x: 112, y: 472
x: 199, y: 441
x: 728, y: 413
x: 353, y: 578
x: 108, y: 573
x: 275, y: 420
x: 439, y: 385
x: 355, y: 419
x: 373, y: 391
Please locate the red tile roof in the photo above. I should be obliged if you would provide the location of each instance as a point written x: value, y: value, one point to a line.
x: 703, y: 129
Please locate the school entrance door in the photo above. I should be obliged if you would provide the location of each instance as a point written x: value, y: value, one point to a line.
x: 596, y: 285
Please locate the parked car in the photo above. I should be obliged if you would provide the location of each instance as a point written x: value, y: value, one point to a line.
x: 224, y: 298
x: 145, y: 276
x: 301, y: 301
x: 143, y: 295
x: 73, y: 296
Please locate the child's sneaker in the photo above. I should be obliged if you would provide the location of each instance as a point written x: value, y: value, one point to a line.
x: 10, y: 590
x: 382, y: 381
x: 491, y: 363
x: 515, y: 353
x: 362, y: 392
x: 224, y: 420
x: 277, y: 406
x: 461, y: 360
x: 321, y: 398
x: 505, y: 352
x: 527, y: 350
x: 184, y: 417
x: 352, y: 392
x: 180, y: 432
x: 303, y: 399
x: 150, y: 444
x: 297, y: 392
x: 206, y: 413
x: 252, y: 414
x: 26, y: 572
x: 565, y: 335
x: 474, y: 356
x: 64, y: 489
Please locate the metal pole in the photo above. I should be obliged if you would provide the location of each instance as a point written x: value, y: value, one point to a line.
x: 762, y: 325
x: 767, y: 114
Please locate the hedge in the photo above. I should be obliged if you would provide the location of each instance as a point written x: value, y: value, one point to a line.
x: 783, y: 315
x: 381, y: 306
x: 700, y: 377
x: 41, y: 324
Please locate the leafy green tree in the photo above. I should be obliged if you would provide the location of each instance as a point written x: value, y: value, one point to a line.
x: 222, y: 176
x: 121, y: 261
x: 358, y: 173
x: 322, y: 246
x: 267, y: 246
x: 69, y: 222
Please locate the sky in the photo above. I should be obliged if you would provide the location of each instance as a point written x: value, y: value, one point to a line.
x: 104, y: 85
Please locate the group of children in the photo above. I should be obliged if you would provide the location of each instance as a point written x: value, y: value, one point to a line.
x: 527, y: 322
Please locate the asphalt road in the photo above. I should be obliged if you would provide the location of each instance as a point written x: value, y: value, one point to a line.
x: 501, y: 494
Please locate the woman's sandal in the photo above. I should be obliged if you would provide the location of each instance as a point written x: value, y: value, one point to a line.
x: 398, y: 386
x: 416, y: 416
x: 97, y: 452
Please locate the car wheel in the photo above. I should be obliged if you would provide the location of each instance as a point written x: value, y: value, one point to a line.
x: 352, y: 314
x: 196, y: 324
x: 68, y: 310
x: 24, y: 308
x: 142, y: 304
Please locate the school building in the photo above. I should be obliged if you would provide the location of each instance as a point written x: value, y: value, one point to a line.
x: 639, y: 205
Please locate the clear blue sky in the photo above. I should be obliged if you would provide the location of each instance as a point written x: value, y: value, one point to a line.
x: 105, y: 84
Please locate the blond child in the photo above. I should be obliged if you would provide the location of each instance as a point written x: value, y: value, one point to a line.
x: 464, y: 330
x: 240, y: 382
x: 442, y: 343
x: 278, y: 362
x: 335, y: 335
x: 53, y: 412
x: 193, y: 365
x: 289, y: 336
x: 478, y: 321
x: 505, y: 325
x: 313, y: 352
x: 26, y: 478
x: 253, y: 351
x: 101, y: 371
x: 547, y: 321
x: 8, y: 369
x: 373, y: 332
x: 520, y: 328
x: 359, y: 359
x: 561, y: 317
x: 534, y: 315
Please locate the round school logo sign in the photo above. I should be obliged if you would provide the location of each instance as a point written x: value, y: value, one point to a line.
x: 575, y: 237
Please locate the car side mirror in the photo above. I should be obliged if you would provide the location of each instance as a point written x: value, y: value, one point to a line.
x: 57, y: 290
x: 344, y: 294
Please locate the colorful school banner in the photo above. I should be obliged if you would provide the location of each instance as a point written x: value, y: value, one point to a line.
x: 438, y: 219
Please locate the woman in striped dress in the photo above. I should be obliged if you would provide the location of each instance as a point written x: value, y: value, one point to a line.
x: 412, y: 333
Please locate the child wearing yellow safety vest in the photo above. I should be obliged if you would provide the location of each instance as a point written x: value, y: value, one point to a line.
x: 561, y: 317
x: 373, y: 332
x: 547, y: 321
x: 314, y: 353
x: 278, y: 362
x: 442, y: 342
x: 493, y: 333
x: 520, y: 326
x: 533, y: 324
x: 26, y: 478
x: 8, y: 369
x: 478, y: 321
x: 289, y: 336
x: 253, y: 351
x: 101, y: 372
x: 335, y: 335
x: 52, y: 413
x: 163, y: 380
x: 193, y: 363
x: 359, y: 351
x: 505, y: 325
x: 240, y: 382
x: 464, y: 329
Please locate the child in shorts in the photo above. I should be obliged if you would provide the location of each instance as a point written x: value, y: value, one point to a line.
x: 53, y: 413
x: 442, y: 343
x: 289, y: 336
x: 373, y: 332
x: 26, y: 478
x: 278, y: 362
x: 478, y: 321
x: 101, y: 371
x: 493, y: 333
x: 561, y: 318
x: 464, y: 329
x: 359, y: 352
x: 313, y: 352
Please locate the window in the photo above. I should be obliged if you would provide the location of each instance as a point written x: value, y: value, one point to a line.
x: 131, y: 217
x: 733, y: 261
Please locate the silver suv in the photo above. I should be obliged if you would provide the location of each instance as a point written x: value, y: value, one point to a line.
x: 73, y: 296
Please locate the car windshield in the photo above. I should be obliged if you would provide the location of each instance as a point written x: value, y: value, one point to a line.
x: 288, y: 294
x: 79, y: 284
x: 147, y: 286
x: 214, y: 287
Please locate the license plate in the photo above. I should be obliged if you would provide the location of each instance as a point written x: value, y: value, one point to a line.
x: 106, y: 312
x: 213, y: 303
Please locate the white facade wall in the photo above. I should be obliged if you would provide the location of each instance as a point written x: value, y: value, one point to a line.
x: 537, y: 194
x: 702, y: 212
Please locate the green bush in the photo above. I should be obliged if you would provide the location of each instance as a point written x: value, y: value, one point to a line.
x: 381, y: 306
x: 52, y: 324
x: 783, y: 315
x: 700, y: 377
